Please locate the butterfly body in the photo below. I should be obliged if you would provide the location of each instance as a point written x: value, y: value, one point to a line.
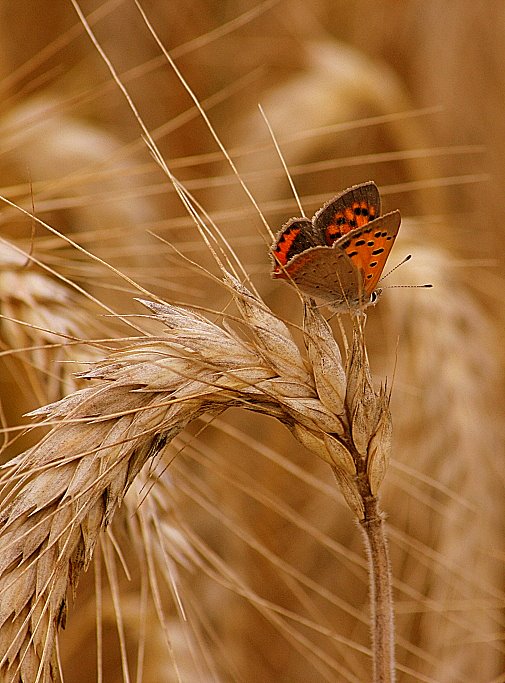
x: 340, y: 254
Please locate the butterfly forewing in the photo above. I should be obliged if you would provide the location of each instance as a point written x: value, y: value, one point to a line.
x: 350, y: 209
x: 368, y: 248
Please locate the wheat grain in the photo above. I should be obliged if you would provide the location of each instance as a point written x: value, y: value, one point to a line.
x: 60, y: 495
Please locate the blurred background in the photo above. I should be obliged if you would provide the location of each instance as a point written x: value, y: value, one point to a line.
x: 272, y: 574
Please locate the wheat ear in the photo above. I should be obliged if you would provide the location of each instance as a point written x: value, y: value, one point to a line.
x: 59, y: 495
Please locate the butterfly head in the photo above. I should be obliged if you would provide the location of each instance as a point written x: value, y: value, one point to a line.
x: 352, y: 301
x: 375, y: 296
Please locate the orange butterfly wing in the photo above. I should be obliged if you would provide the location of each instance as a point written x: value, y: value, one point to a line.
x: 369, y: 246
x: 350, y: 209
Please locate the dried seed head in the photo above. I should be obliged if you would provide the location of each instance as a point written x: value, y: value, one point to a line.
x: 313, y: 441
x: 359, y: 380
x: 379, y: 448
x: 339, y: 454
x: 272, y: 338
x: 362, y: 403
x: 64, y: 491
x: 350, y: 491
x: 51, y: 313
x: 311, y: 413
x: 325, y: 359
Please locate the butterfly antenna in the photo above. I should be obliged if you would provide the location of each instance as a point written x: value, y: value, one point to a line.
x: 407, y: 258
x: 283, y: 161
x: 425, y: 286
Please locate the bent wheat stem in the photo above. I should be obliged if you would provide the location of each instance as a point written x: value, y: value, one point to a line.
x: 381, y: 600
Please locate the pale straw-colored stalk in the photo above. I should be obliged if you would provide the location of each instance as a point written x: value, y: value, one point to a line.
x: 60, y: 495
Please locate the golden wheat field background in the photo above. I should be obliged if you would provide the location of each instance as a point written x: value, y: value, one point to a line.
x: 233, y: 557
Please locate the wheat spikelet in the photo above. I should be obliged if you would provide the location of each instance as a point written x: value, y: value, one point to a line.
x: 62, y: 493
x: 52, y: 315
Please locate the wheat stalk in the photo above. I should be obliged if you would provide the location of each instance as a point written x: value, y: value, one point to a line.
x: 59, y: 495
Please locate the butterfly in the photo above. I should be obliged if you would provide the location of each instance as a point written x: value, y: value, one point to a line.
x: 340, y: 254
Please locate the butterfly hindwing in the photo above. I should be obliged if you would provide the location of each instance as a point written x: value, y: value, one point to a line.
x: 327, y: 274
x: 296, y: 236
x: 350, y: 209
